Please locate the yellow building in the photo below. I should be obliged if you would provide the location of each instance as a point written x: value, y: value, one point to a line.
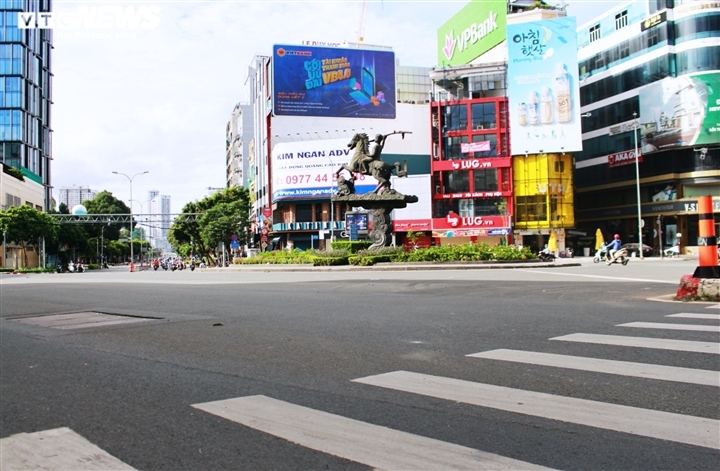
x: 543, y: 199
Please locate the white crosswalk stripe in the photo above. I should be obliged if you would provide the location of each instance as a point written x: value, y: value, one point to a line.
x: 666, y: 326
x: 365, y: 443
x: 385, y: 448
x: 56, y: 449
x: 624, y: 368
x: 643, y: 342
x: 691, y: 315
x: 697, y: 431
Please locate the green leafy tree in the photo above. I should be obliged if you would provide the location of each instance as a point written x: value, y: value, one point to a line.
x: 224, y: 213
x: 26, y: 226
x: 106, y: 203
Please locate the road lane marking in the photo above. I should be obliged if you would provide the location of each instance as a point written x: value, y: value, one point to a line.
x: 59, y: 448
x: 643, y: 342
x: 691, y: 315
x: 597, y: 365
x: 714, y: 306
x: 373, y: 445
x: 602, y: 277
x: 665, y: 326
x: 679, y: 428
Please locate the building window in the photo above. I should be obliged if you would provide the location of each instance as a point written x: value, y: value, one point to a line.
x: 594, y: 33
x: 303, y: 213
x: 483, y: 116
x: 453, y: 151
x: 456, y: 182
x: 456, y: 118
x: 621, y: 20
x: 485, y: 180
x: 531, y: 208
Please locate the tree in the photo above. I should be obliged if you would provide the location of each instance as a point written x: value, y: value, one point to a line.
x: 224, y: 213
x: 106, y: 203
x: 25, y: 226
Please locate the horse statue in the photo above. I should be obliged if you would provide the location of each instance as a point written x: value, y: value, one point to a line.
x: 371, y: 164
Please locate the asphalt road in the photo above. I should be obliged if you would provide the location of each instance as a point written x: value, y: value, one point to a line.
x: 359, y: 369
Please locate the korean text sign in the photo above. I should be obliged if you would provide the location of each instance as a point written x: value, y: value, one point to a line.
x: 333, y: 82
x: 543, y: 87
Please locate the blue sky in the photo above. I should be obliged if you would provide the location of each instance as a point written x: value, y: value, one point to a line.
x: 158, y: 97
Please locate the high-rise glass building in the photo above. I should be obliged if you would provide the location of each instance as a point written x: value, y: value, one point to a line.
x: 649, y: 85
x: 25, y: 103
x: 159, y: 220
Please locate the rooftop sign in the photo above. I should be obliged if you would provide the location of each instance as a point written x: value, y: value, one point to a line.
x: 474, y: 30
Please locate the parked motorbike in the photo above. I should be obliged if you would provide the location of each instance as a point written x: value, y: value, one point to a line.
x: 600, y: 255
x: 546, y: 256
x: 59, y: 268
x: 621, y: 256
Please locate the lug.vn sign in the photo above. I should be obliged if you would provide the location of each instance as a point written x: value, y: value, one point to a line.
x: 467, y: 147
x: 623, y: 158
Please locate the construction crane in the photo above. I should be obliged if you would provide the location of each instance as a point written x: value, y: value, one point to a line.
x: 361, y: 26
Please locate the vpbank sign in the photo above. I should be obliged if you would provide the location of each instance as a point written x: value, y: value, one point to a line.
x: 104, y: 17
x: 474, y: 30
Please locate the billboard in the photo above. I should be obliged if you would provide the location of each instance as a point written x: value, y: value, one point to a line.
x: 306, y: 170
x: 333, y: 82
x: 474, y: 30
x: 543, y: 87
x: 681, y: 111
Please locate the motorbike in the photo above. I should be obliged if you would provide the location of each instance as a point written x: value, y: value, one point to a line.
x: 600, y: 255
x: 546, y: 256
x: 59, y: 268
x: 621, y: 256
x: 672, y: 252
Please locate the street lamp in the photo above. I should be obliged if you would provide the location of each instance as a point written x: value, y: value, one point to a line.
x: 637, y: 183
x: 332, y: 208
x: 130, y: 179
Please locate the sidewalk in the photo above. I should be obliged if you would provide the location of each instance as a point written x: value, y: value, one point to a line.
x: 561, y: 262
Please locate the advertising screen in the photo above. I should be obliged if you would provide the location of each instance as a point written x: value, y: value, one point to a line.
x: 333, y: 82
x: 543, y: 88
x: 681, y: 111
x: 306, y: 170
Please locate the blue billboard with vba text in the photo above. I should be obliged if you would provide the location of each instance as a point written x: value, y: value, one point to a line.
x: 333, y: 82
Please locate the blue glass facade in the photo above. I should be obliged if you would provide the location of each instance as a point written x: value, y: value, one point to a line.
x: 630, y: 50
x: 26, y: 93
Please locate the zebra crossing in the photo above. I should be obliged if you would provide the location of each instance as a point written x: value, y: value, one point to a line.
x: 384, y: 448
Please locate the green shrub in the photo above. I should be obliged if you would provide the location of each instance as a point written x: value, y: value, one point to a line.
x: 352, y: 246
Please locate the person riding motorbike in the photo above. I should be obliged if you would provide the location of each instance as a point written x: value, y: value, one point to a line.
x: 614, y: 246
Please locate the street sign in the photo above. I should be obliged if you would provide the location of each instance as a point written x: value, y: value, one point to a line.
x: 234, y: 245
x: 234, y: 237
x: 264, y: 245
